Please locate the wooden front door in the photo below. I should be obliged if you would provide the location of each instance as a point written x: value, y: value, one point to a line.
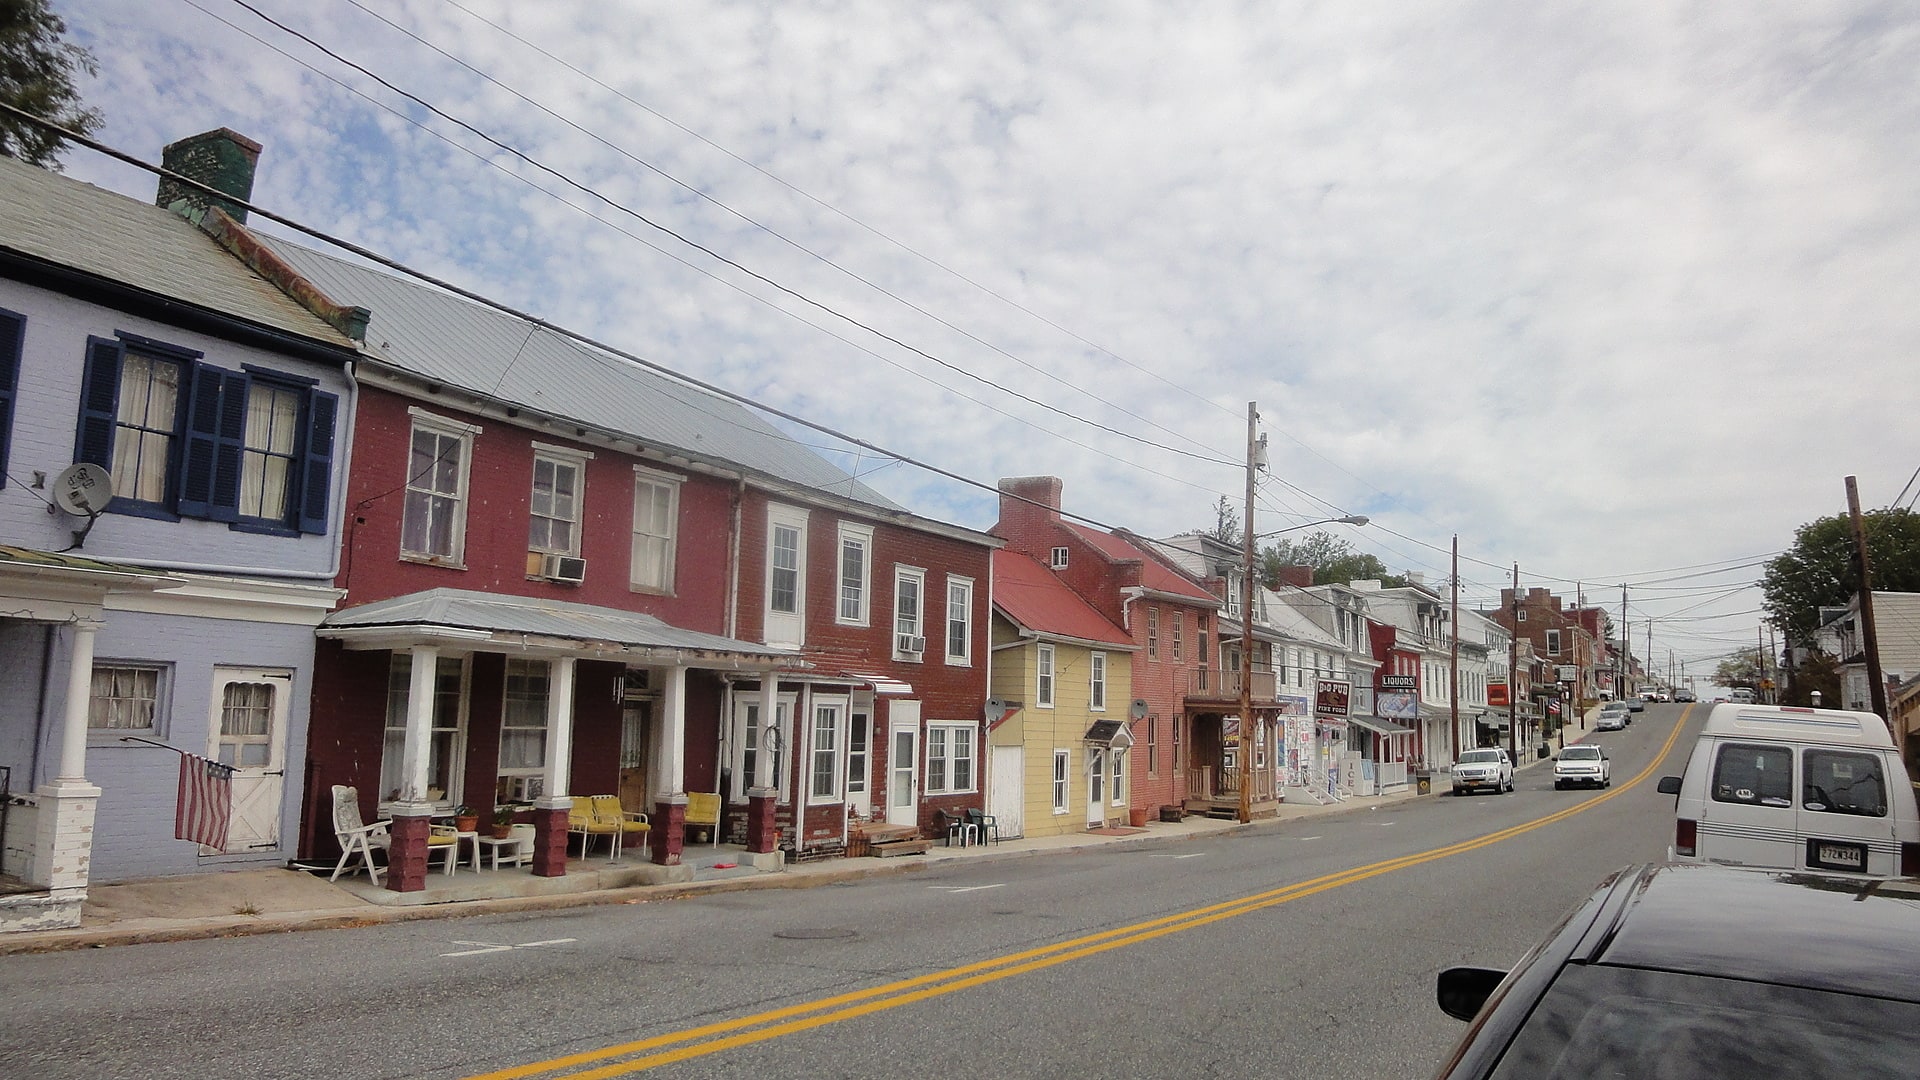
x: 636, y: 756
x: 249, y: 732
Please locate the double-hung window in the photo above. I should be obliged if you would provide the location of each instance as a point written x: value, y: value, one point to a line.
x: 1553, y: 642
x: 1043, y: 682
x: 786, y: 576
x: 523, y: 731
x: 656, y: 530
x: 1153, y: 633
x: 1062, y: 763
x: 829, y: 719
x: 1179, y: 625
x: 553, y: 506
x: 950, y: 757
x: 126, y: 698
x: 909, y: 602
x: 856, y: 575
x: 1097, y: 679
x: 433, y: 523
x: 445, y: 750
x: 959, y: 621
x: 13, y: 336
x: 1117, y: 761
x: 183, y: 438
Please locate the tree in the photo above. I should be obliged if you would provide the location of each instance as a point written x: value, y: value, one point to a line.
x: 1331, y: 558
x: 1818, y: 570
x: 1226, y: 523
x: 1741, y: 669
x: 37, y: 70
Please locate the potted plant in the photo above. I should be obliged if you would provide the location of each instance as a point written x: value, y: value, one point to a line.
x: 502, y: 821
x: 466, y: 819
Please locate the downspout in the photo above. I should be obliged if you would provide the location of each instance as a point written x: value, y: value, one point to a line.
x: 733, y: 559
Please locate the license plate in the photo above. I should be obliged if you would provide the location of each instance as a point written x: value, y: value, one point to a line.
x: 1827, y: 855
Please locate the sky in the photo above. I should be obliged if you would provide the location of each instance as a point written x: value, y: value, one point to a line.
x: 1617, y: 291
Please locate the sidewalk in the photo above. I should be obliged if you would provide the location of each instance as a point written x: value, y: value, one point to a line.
x: 278, y: 900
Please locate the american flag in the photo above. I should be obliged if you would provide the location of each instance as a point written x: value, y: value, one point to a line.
x: 205, y: 804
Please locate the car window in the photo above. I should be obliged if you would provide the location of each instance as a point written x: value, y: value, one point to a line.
x: 1609, y: 1021
x: 1480, y: 756
x: 1581, y: 752
x: 1843, y: 782
x: 1755, y: 775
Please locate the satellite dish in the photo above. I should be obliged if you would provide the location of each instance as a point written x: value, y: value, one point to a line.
x: 83, y: 489
x: 1139, y: 710
x: 996, y: 710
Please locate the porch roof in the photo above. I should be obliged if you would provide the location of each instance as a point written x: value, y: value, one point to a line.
x: 1378, y: 726
x: 476, y: 620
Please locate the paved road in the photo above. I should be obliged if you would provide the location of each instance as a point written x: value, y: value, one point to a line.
x: 1307, y: 949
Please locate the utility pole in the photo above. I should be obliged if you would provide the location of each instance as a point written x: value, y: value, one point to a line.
x: 1870, y: 634
x: 1453, y: 677
x: 1579, y: 661
x: 1513, y: 673
x: 1651, y: 670
x: 1760, y: 649
x: 1626, y: 651
x: 1246, y: 631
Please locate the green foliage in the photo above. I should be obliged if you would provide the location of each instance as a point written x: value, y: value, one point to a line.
x: 1818, y: 570
x: 37, y: 71
x: 1741, y: 669
x: 1334, y: 561
x: 1817, y: 671
x: 1226, y: 523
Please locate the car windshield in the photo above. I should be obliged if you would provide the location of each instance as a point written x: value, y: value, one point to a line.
x: 1581, y: 753
x: 1480, y: 757
x: 1614, y: 706
x: 1609, y: 1021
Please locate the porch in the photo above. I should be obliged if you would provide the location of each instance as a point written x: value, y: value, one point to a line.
x: 1214, y: 791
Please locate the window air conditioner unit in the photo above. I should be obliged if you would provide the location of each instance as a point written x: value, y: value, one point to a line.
x: 566, y: 568
x: 908, y: 643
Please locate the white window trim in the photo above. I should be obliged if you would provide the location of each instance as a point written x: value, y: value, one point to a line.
x: 1061, y: 782
x: 454, y: 429
x: 1045, y: 676
x: 672, y: 483
x: 577, y: 461
x: 1119, y: 764
x: 964, y: 658
x: 969, y: 730
x: 863, y: 535
x: 1097, y: 680
x: 1057, y: 558
x: 903, y: 572
x: 162, y: 698
x: 843, y: 707
x: 525, y: 781
x: 785, y: 705
x: 794, y: 518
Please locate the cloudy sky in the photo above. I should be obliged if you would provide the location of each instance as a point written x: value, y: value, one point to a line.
x: 1620, y: 291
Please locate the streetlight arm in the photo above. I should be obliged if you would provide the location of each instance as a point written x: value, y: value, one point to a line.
x: 1350, y: 519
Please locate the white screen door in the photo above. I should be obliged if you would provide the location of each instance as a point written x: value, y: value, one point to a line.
x: 903, y: 763
x: 860, y: 761
x: 248, y: 731
x: 1096, y: 788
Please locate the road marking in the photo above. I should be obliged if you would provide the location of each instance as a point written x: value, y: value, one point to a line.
x: 494, y: 946
x: 774, y: 1023
x: 965, y: 888
x: 1192, y: 855
x: 1309, y: 838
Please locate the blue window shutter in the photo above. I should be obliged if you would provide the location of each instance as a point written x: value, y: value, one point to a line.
x: 99, y: 402
x: 210, y: 459
x: 12, y: 332
x: 316, y: 464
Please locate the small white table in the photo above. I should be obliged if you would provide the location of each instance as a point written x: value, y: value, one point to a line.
x: 509, y: 849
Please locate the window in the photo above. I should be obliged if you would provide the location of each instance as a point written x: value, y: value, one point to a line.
x: 827, y: 718
x: 246, y: 725
x: 124, y: 698
x: 1043, y: 681
x: 909, y: 587
x: 1062, y: 763
x: 1553, y: 642
x: 1179, y: 623
x: 950, y: 758
x: 1058, y: 558
x: 959, y: 621
x: 1519, y: 614
x: 1097, y: 690
x: 784, y: 596
x: 856, y: 574
x: 183, y: 438
x: 445, y: 746
x: 786, y: 576
x: 1117, y: 790
x: 13, y: 334
x: 433, y: 523
x: 1153, y: 633
x: 523, y: 731
x: 1843, y: 782
x: 859, y: 735
x: 1756, y: 775
x: 754, y: 733
x: 1176, y: 744
x: 656, y: 517
x: 1153, y: 746
x: 553, y: 511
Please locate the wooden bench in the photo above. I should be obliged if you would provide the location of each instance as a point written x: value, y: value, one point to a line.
x: 886, y: 841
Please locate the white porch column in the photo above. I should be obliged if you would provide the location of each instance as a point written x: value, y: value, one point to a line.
x: 669, y: 778
x: 72, y: 772
x: 63, y: 830
x: 763, y: 777
x: 416, y: 749
x: 559, y: 735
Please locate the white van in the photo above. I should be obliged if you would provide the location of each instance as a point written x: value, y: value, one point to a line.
x: 1798, y: 789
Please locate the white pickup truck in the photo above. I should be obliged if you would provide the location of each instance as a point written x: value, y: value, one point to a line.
x: 1483, y: 770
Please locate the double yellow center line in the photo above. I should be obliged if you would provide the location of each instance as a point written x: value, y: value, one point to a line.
x: 695, y: 1042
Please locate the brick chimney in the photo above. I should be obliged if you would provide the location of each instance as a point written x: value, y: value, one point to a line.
x: 1028, y: 528
x: 1298, y: 576
x: 222, y: 159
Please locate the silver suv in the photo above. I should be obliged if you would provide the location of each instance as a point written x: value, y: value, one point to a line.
x: 1483, y: 770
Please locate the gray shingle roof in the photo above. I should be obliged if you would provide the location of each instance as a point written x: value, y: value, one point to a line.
x: 434, y: 335
x: 68, y: 223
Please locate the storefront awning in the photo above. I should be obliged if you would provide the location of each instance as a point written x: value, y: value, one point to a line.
x: 1379, y: 726
x: 1109, y: 733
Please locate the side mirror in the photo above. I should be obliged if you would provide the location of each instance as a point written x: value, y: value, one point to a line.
x: 1462, y: 991
x: 1669, y: 785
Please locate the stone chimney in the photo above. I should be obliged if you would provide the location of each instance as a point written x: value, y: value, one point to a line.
x: 222, y: 159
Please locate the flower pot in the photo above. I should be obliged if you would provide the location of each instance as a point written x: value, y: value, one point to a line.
x: 467, y: 822
x: 502, y: 832
x: 1137, y: 817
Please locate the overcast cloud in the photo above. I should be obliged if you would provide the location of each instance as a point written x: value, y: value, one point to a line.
x: 1605, y: 289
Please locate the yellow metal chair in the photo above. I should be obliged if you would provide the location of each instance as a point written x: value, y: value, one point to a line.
x: 703, y: 812
x: 602, y: 815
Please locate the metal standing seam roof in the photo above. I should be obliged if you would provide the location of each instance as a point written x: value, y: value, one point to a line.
x: 434, y: 335
x: 494, y: 613
x: 1030, y: 595
x: 69, y: 223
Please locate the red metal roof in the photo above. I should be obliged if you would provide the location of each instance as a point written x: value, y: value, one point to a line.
x: 1154, y: 574
x: 1031, y: 596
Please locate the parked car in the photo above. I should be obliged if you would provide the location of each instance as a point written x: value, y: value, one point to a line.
x: 1582, y: 765
x: 1741, y: 695
x: 1797, y: 789
x: 1483, y: 770
x: 1613, y: 716
x: 1651, y: 977
x: 1683, y: 696
x: 1635, y: 704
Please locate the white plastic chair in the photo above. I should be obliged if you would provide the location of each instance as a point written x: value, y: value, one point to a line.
x: 360, y: 838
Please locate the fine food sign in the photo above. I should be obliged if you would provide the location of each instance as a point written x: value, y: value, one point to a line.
x: 1330, y: 697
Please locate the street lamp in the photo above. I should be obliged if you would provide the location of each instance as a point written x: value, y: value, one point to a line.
x: 1247, y: 736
